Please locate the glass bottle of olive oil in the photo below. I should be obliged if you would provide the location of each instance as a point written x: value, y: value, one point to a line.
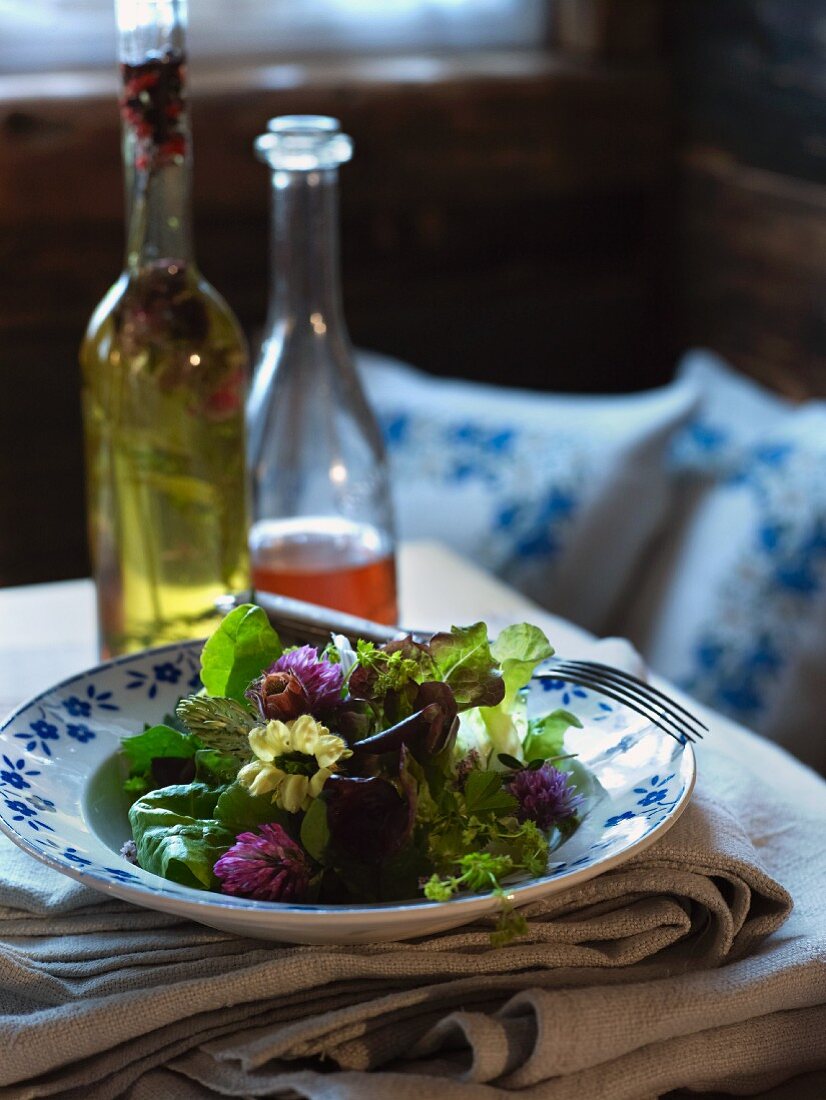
x: 164, y: 369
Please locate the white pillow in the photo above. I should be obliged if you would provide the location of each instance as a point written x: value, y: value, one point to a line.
x: 559, y: 495
x: 733, y: 606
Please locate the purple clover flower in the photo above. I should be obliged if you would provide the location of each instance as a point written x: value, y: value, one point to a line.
x: 299, y: 682
x: 267, y: 866
x: 545, y: 795
x: 320, y: 678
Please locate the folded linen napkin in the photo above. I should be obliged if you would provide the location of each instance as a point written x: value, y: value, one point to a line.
x: 103, y: 999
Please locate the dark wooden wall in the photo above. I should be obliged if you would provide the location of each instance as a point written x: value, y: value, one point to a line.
x: 751, y: 99
x: 504, y: 218
x: 569, y: 218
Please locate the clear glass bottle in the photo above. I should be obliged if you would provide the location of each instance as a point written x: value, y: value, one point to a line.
x: 323, y: 529
x: 164, y: 370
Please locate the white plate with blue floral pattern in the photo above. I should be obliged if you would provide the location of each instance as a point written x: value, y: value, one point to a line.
x: 61, y: 801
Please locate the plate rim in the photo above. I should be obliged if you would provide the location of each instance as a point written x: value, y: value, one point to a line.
x: 258, y: 911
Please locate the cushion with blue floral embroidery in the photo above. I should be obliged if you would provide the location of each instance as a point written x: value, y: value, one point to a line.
x: 732, y: 605
x: 559, y: 495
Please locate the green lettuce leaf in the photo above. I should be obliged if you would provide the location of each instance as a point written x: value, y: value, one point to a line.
x: 177, y: 836
x: 501, y: 728
x: 464, y: 661
x: 519, y: 649
x: 545, y: 735
x: 238, y: 651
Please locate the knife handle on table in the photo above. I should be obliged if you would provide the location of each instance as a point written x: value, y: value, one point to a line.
x: 298, y: 621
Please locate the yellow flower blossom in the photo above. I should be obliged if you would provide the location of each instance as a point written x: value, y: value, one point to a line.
x: 293, y: 761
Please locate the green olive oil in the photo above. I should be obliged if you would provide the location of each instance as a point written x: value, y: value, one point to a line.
x: 164, y: 370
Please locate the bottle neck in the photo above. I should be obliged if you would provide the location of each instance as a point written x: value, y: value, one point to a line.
x: 157, y: 160
x: 306, y: 289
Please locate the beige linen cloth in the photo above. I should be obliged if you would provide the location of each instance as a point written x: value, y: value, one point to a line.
x: 681, y: 968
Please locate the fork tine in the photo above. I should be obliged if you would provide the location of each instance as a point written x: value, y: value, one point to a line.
x: 627, y: 698
x: 666, y: 722
x: 620, y: 674
x: 637, y: 689
x: 627, y: 679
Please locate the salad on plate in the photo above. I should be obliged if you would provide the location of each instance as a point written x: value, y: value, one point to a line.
x: 348, y: 776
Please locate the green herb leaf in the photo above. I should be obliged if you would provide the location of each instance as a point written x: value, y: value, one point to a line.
x: 545, y: 735
x: 315, y: 832
x: 510, y: 761
x: 387, y: 678
x: 464, y: 660
x: 447, y: 842
x: 526, y: 845
x: 510, y: 924
x: 176, y: 836
x: 519, y: 649
x: 221, y: 724
x: 484, y: 794
x: 136, y: 785
x: 239, y: 650
x: 392, y: 668
x: 437, y: 889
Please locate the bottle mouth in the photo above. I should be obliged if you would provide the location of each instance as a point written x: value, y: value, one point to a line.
x: 304, y: 143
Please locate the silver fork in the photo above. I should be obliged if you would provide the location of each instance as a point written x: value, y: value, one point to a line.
x: 299, y: 622
x: 654, y: 705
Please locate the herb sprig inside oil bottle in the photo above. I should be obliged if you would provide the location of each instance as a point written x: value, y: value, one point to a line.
x: 164, y: 366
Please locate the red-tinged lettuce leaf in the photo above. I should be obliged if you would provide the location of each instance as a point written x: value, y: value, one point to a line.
x: 242, y: 646
x: 426, y: 732
x: 368, y: 819
x: 167, y: 771
x: 464, y: 661
x: 353, y: 720
x: 387, y: 677
x: 439, y: 711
